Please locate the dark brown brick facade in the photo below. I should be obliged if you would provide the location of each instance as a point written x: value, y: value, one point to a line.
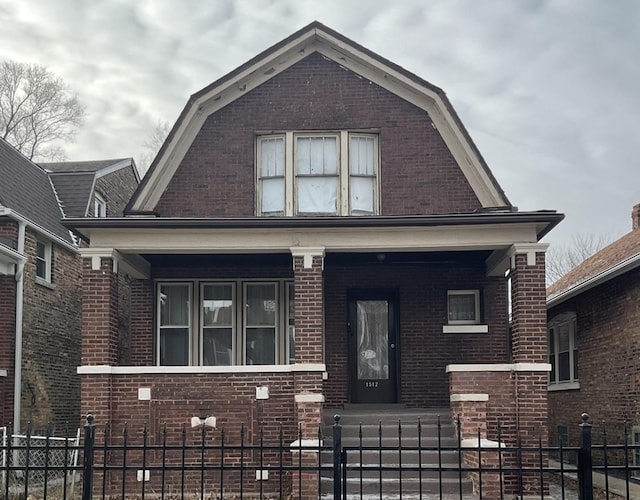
x: 418, y: 175
x: 51, y: 342
x: 608, y: 351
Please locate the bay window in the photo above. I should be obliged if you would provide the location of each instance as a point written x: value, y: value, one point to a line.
x: 328, y: 173
x: 225, y: 323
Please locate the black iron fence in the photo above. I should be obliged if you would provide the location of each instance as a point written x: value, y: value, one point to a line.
x: 206, y: 463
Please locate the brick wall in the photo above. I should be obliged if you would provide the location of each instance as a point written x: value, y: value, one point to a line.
x: 608, y: 333
x: 51, y: 342
x: 7, y: 346
x: 418, y: 174
x: 425, y: 350
x: 175, y: 398
x: 116, y: 188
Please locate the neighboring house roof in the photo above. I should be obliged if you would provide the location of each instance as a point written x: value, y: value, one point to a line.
x: 75, y: 181
x: 27, y: 190
x: 317, y: 38
x: 619, y: 257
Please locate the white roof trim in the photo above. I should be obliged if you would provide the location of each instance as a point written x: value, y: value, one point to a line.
x: 317, y: 40
x: 613, y: 272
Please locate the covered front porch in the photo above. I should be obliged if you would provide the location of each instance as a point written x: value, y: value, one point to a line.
x: 276, y: 321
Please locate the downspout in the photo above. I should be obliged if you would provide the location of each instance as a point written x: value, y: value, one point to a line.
x: 17, y: 373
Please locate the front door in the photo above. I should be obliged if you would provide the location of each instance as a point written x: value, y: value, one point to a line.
x: 373, y: 346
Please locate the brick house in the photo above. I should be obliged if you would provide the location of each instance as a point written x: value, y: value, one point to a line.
x: 593, y: 316
x: 317, y: 230
x: 40, y: 278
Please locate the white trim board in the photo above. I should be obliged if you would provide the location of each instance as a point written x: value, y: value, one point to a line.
x: 189, y: 370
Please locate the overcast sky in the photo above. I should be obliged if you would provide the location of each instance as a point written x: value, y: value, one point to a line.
x: 549, y: 90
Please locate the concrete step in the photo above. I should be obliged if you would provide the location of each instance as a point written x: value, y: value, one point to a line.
x: 391, y: 486
x: 428, y: 459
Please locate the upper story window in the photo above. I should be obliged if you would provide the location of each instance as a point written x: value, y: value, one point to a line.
x: 43, y: 260
x: 317, y: 174
x: 563, y: 352
x: 225, y: 323
x: 99, y: 205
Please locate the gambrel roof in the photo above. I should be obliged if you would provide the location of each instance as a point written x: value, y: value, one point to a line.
x: 311, y: 39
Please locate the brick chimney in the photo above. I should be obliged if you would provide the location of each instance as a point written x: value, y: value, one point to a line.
x: 635, y: 217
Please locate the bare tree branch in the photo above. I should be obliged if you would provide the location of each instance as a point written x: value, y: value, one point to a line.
x: 37, y: 109
x: 153, y: 143
x: 563, y: 258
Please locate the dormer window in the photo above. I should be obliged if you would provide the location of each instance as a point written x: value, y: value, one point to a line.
x: 99, y: 205
x: 317, y: 174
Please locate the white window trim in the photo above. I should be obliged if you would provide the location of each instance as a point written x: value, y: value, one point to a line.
x: 343, y: 175
x: 234, y: 321
x: 573, y: 383
x: 196, y: 287
x: 635, y: 431
x: 47, y: 261
x: 158, y: 318
x: 476, y: 295
x: 99, y: 202
x: 278, y: 334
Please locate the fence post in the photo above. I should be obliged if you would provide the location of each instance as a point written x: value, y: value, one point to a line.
x: 337, y: 457
x: 585, y: 471
x: 87, y: 467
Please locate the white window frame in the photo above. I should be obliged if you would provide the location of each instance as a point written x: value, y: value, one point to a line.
x: 159, y: 318
x: 573, y: 382
x: 277, y: 320
x: 99, y: 205
x: 635, y: 451
x: 45, y: 259
x: 476, y: 296
x: 234, y: 320
x: 343, y: 193
x: 196, y: 335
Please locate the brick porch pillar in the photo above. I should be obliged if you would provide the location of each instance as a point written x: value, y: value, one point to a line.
x: 309, y: 324
x: 529, y: 351
x: 99, y: 334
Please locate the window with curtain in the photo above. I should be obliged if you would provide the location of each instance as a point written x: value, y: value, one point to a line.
x: 463, y: 307
x: 225, y: 323
x: 272, y: 175
x: 563, y: 351
x: 315, y: 173
x: 174, y: 305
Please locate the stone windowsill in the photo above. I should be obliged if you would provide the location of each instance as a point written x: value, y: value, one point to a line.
x: 465, y: 329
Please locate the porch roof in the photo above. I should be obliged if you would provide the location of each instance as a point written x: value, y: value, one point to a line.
x: 542, y: 221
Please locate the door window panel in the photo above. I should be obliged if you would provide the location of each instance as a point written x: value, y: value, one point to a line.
x: 372, y: 339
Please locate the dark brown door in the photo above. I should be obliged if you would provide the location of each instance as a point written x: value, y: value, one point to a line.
x: 373, y: 346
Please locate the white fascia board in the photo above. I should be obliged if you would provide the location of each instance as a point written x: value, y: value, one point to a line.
x: 187, y: 370
x: 127, y: 162
x: 316, y: 40
x: 9, y: 255
x: 12, y: 214
x: 599, y: 279
x: 255, y: 240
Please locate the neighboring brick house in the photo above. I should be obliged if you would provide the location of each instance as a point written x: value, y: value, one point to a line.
x: 593, y: 315
x: 319, y: 223
x: 40, y: 288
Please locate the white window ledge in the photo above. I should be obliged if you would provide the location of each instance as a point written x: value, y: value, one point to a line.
x: 465, y: 329
x: 43, y: 282
x: 564, y: 386
x: 162, y: 370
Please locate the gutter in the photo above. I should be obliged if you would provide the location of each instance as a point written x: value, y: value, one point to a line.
x: 613, y: 272
x: 12, y: 214
x: 17, y: 373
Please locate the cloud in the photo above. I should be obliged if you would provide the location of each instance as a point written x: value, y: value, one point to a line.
x: 548, y: 90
